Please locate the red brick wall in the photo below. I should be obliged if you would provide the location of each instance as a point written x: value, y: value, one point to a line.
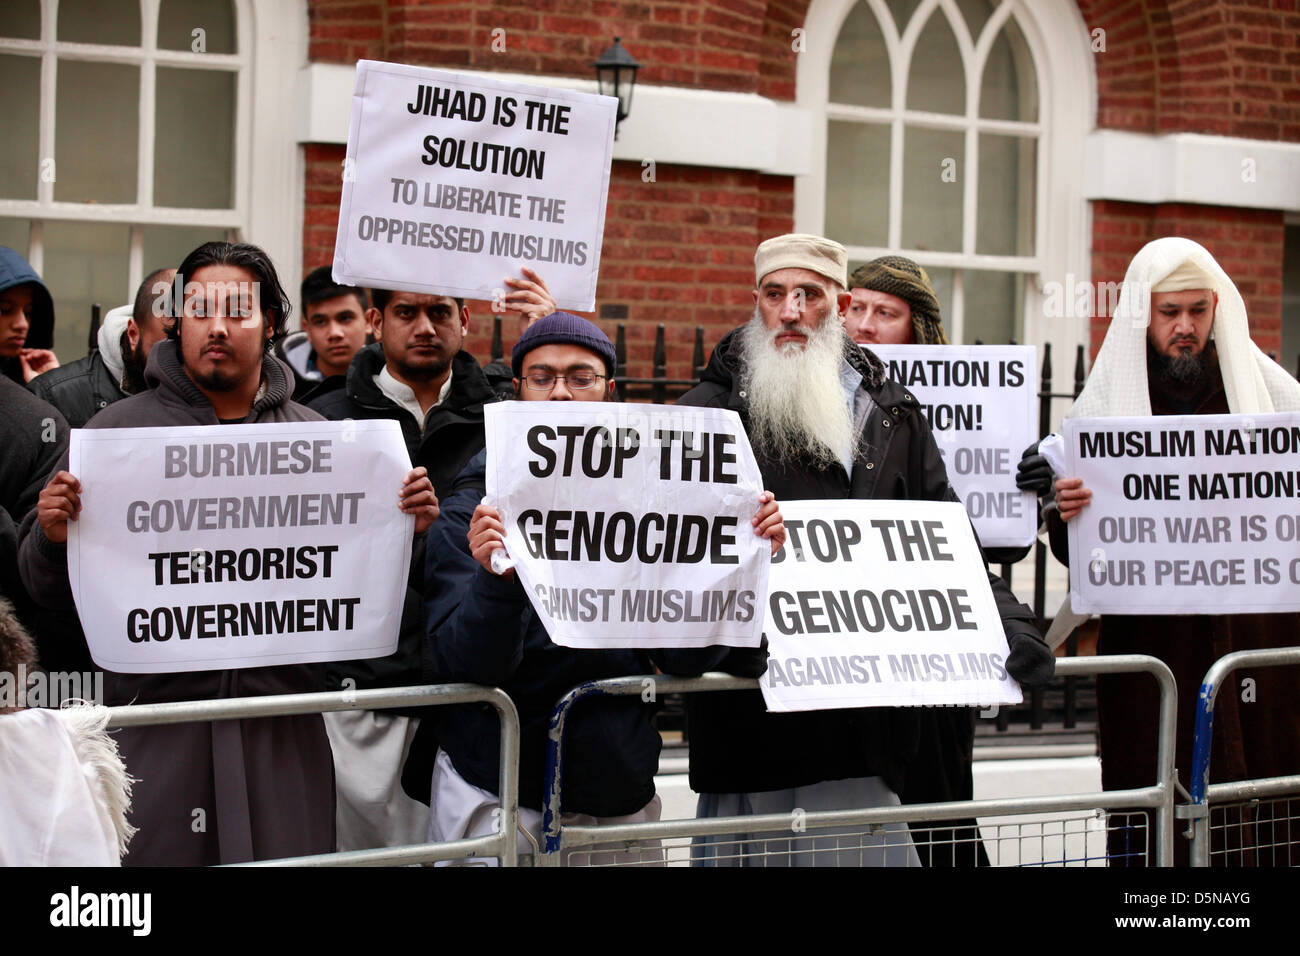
x: 1205, y: 66
x: 1246, y: 242
x: 717, y: 45
x: 677, y: 251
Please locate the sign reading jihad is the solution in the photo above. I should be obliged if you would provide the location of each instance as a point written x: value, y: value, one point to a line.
x: 882, y: 603
x: 203, y: 548
x: 453, y: 181
x: 629, y: 525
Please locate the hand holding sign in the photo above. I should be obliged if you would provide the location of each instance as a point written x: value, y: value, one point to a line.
x: 59, y: 503
x: 417, y: 498
x: 768, y: 523
x: 1071, y: 497
x: 529, y: 297
x: 487, y: 534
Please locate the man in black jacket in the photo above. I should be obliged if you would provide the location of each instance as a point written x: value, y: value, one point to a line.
x: 417, y: 374
x: 115, y: 370
x: 483, y: 629
x: 824, y: 422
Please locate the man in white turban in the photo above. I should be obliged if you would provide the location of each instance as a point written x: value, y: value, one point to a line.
x: 1179, y: 344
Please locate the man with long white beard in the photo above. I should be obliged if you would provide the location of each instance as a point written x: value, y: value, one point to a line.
x: 825, y: 423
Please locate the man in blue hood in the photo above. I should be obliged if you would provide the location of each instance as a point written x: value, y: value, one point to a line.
x: 26, y: 320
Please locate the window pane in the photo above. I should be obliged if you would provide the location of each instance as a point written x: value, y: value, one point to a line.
x: 976, y: 13
x: 178, y: 19
x: 860, y: 64
x: 195, y: 169
x: 1005, y: 223
x: 166, y: 246
x: 1009, y: 89
x: 902, y: 11
x: 116, y: 22
x: 21, y: 19
x: 941, y: 279
x: 20, y: 78
x: 992, y: 307
x: 95, y: 132
x: 932, y: 197
x: 937, y: 81
x: 15, y: 234
x: 857, y: 183
x: 84, y: 263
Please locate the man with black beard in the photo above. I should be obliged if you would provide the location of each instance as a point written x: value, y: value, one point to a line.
x: 116, y: 369
x: 824, y: 422
x: 417, y: 374
x: 1179, y: 344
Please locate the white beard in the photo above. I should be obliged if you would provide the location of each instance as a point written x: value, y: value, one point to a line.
x: 796, y: 399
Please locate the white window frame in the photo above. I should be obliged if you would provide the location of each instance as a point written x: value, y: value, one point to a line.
x: 267, y: 181
x: 1057, y: 37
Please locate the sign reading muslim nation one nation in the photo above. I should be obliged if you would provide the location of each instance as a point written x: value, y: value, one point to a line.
x: 882, y: 603
x: 453, y: 181
x: 204, y: 548
x: 1190, y: 514
x: 629, y: 525
x: 981, y: 401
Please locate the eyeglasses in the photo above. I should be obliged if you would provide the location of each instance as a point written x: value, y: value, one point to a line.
x: 578, y: 380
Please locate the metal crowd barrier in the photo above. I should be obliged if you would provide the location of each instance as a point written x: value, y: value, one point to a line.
x: 501, y: 844
x: 872, y: 832
x: 1262, y: 816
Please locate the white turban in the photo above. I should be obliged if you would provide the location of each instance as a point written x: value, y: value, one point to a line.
x: 1117, y: 385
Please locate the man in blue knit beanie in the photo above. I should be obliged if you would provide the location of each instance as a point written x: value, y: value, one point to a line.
x: 482, y: 629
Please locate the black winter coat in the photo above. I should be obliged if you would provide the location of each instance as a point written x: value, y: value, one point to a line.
x: 482, y: 629
x: 736, y: 746
x: 78, y: 390
x: 453, y: 433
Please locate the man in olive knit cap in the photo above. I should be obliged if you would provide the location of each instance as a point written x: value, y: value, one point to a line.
x: 893, y: 303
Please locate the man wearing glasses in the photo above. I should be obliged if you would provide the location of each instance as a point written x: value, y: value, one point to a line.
x: 482, y: 629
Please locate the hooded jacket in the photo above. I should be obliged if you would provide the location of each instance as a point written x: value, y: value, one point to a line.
x: 736, y: 746
x: 266, y: 785
x: 82, y: 388
x: 14, y: 270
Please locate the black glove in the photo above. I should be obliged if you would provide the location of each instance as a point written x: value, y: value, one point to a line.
x: 1034, y: 473
x: 1031, y: 661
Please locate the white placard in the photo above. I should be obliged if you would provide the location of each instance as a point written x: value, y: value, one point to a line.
x: 202, y: 548
x: 982, y: 402
x: 882, y: 603
x: 452, y: 181
x: 629, y: 525
x: 1190, y: 514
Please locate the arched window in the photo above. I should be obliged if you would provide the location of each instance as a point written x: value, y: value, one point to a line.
x: 936, y: 129
x: 127, y: 128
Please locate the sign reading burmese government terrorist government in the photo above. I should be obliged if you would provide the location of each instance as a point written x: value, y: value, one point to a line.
x: 1192, y: 514
x: 882, y: 603
x: 629, y: 525
x: 204, y: 548
x: 453, y: 181
x: 982, y: 403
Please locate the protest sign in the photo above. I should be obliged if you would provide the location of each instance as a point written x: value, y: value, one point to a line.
x: 629, y: 525
x: 203, y: 548
x: 882, y: 603
x: 981, y: 401
x: 453, y: 181
x: 1190, y: 514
